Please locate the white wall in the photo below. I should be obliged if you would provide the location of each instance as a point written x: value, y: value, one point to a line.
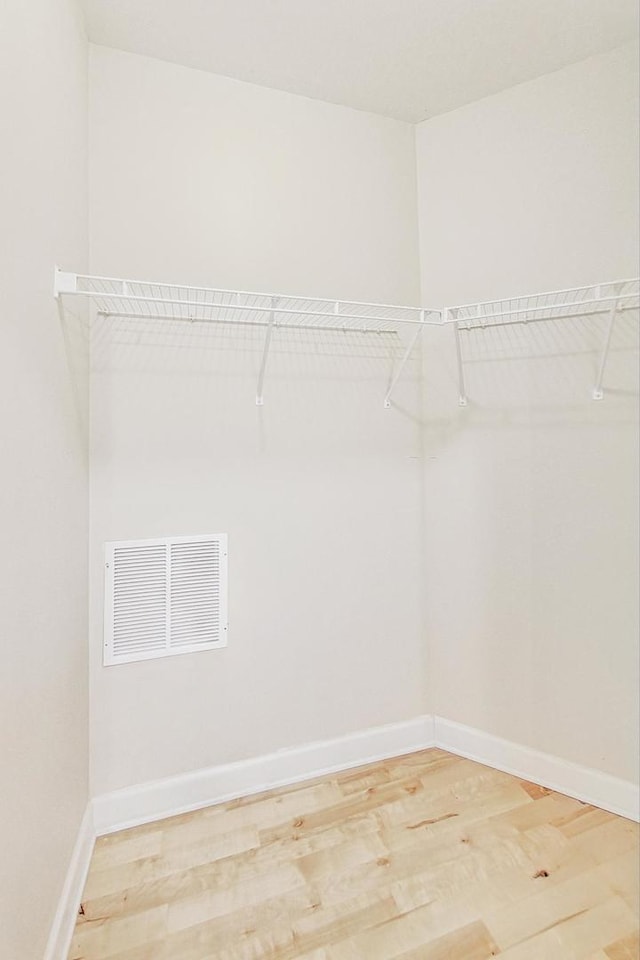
x: 531, y: 522
x: 43, y: 493
x: 199, y: 179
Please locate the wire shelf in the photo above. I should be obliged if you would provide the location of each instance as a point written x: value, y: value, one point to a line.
x: 608, y: 299
x: 163, y: 301
x: 140, y: 299
x: 556, y: 305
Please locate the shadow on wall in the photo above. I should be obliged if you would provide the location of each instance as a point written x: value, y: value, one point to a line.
x: 209, y: 349
x: 542, y: 372
x: 74, y: 324
x: 323, y: 390
x: 513, y: 374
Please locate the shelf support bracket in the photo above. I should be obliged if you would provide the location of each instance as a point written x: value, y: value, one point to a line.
x: 462, y: 389
x: 265, y: 353
x: 598, y: 392
x: 64, y: 282
x: 403, y: 362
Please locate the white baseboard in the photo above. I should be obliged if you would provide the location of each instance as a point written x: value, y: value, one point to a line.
x: 163, y: 798
x: 65, y: 918
x: 200, y: 788
x: 583, y: 783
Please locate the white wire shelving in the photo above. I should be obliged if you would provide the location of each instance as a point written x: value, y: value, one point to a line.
x: 600, y: 299
x: 139, y: 299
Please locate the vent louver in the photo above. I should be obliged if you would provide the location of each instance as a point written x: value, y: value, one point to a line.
x: 164, y: 597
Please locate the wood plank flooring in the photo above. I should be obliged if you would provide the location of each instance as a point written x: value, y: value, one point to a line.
x: 424, y: 857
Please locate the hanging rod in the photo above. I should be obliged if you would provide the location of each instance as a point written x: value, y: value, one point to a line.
x: 465, y: 326
x: 277, y: 324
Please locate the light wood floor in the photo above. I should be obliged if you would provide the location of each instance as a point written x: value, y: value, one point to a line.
x: 425, y: 857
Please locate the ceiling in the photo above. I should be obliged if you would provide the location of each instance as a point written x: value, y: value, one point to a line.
x: 408, y: 59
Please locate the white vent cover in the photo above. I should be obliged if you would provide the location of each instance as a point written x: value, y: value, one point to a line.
x: 164, y: 597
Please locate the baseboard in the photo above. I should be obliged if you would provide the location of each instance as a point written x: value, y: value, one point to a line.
x: 65, y: 918
x: 583, y: 783
x: 190, y: 791
x: 157, y: 799
x: 163, y: 798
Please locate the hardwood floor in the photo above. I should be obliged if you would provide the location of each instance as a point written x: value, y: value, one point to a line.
x: 424, y: 857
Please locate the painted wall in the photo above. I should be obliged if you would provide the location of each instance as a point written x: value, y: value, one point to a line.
x: 43, y: 451
x: 531, y: 523
x: 200, y: 179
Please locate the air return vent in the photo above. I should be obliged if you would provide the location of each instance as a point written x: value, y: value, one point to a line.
x: 164, y: 597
